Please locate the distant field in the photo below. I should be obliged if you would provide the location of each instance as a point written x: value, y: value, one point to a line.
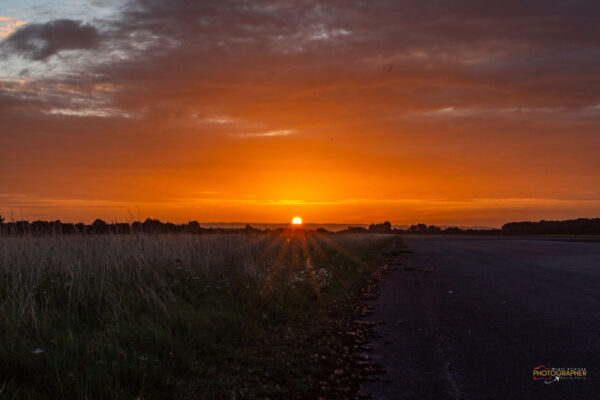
x: 174, y: 316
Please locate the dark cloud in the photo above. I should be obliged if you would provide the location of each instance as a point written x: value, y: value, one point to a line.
x: 170, y: 59
x: 523, y: 49
x: 444, y: 53
x: 40, y: 41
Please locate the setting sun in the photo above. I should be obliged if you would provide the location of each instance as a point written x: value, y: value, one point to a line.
x: 297, y: 221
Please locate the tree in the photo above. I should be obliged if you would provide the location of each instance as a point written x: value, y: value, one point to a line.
x: 419, y: 228
x: 99, y: 226
x: 384, y: 227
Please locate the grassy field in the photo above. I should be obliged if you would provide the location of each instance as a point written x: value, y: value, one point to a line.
x: 178, y: 316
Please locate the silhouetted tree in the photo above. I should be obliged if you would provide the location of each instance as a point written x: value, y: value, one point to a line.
x: 385, y: 227
x: 433, y: 229
x: 99, y: 226
x: 121, y: 228
x: 81, y: 227
x: 153, y: 226
x: 193, y: 227
x: 581, y: 226
x: 419, y: 228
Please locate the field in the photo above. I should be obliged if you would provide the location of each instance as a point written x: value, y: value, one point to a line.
x: 178, y: 316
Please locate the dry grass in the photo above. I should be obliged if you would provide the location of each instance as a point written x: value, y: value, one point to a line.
x: 122, y: 316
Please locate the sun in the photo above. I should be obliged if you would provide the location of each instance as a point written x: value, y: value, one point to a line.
x: 297, y: 221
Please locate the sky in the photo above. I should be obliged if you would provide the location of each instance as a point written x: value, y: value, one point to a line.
x: 447, y: 112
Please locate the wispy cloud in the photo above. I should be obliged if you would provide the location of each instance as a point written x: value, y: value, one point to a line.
x: 90, y: 112
x: 213, y: 119
x: 528, y: 113
x: 9, y: 201
x: 219, y: 120
x: 279, y: 132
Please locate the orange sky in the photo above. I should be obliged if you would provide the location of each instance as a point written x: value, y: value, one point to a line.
x: 450, y: 115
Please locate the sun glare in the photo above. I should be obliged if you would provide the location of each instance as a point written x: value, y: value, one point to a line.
x: 297, y: 221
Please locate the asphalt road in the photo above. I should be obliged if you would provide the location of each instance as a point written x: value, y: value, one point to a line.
x: 470, y: 317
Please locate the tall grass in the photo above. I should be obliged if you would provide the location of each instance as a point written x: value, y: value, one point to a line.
x: 126, y: 316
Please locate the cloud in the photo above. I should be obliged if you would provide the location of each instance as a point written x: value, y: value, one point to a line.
x: 272, y: 62
x: 279, y: 132
x: 394, y: 56
x: 89, y: 112
x: 40, y: 41
x: 8, y: 25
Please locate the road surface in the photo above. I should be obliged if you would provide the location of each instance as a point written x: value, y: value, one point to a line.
x: 470, y: 317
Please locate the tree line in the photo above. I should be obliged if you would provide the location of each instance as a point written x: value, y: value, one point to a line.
x: 581, y: 226
x: 101, y: 227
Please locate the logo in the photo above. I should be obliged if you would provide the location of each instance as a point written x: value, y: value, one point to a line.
x: 551, y: 375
